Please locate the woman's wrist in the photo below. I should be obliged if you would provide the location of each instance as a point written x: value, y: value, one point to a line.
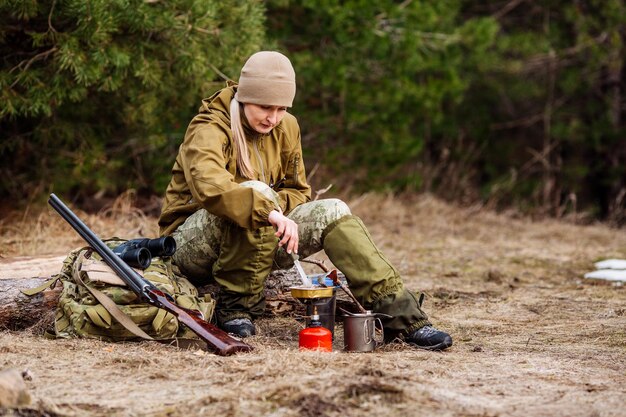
x: 272, y: 218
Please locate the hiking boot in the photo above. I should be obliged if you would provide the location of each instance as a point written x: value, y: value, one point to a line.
x: 429, y: 338
x: 242, y: 327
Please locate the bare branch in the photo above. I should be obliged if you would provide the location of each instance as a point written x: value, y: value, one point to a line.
x: 506, y: 9
x: 50, y: 27
x: 220, y: 73
x: 28, y: 63
x: 320, y: 192
x: 318, y: 262
x: 312, y: 172
x: 555, y: 57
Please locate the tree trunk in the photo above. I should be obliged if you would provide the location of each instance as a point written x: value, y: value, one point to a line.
x: 19, y: 311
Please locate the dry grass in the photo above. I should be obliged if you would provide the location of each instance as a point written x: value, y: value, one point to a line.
x: 531, y: 337
x: 44, y: 232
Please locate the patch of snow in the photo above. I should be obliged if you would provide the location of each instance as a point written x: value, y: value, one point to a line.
x: 608, y: 274
x: 611, y: 264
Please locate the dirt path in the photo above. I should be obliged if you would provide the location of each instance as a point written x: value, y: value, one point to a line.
x: 532, y: 337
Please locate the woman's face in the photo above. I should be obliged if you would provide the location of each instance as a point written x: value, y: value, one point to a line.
x: 263, y: 118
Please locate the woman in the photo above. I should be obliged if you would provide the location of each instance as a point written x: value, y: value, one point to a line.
x: 239, y: 205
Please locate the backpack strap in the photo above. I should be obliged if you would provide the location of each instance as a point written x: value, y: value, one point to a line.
x: 48, y: 284
x: 109, y: 305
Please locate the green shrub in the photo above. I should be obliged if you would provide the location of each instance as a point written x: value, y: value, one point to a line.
x: 95, y: 95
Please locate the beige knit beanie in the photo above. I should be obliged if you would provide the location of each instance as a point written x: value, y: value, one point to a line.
x: 267, y: 78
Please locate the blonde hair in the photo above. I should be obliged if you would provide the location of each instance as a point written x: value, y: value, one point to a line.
x: 239, y: 137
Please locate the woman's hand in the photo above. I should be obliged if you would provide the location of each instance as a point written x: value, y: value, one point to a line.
x: 286, y: 230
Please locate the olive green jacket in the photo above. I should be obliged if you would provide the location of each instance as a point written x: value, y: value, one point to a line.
x: 205, y: 171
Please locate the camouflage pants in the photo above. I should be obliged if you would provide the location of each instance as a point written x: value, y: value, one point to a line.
x: 239, y: 260
x: 199, y: 239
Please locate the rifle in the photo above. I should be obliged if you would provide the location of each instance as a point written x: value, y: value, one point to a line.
x: 217, y: 340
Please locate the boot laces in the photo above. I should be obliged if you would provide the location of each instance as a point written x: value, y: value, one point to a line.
x: 428, y: 331
x: 239, y: 322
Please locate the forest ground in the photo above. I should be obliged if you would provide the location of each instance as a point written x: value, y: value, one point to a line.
x: 532, y: 337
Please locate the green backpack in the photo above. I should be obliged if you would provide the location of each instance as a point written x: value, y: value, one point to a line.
x: 96, y: 303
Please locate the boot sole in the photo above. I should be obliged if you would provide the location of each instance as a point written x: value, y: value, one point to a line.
x: 440, y: 346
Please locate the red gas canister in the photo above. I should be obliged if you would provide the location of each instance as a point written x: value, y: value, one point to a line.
x: 316, y: 337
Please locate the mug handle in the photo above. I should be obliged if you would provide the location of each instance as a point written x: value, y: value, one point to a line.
x: 367, y: 337
x: 380, y: 330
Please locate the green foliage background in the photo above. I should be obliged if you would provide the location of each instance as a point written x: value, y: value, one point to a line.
x: 96, y: 94
x: 505, y: 103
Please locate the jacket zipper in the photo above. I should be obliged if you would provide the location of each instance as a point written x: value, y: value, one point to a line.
x: 296, y: 162
x: 258, y: 155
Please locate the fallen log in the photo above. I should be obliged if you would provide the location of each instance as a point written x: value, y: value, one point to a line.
x: 28, y: 266
x: 19, y: 311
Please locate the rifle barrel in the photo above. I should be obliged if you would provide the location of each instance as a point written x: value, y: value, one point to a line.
x: 130, y: 277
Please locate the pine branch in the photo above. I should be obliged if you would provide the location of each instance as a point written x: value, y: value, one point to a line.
x: 28, y: 63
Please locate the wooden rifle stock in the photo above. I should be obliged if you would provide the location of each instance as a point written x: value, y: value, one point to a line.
x: 217, y: 340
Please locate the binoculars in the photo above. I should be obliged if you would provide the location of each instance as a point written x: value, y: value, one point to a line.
x: 138, y: 253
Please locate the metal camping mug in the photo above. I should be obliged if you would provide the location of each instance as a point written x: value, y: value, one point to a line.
x: 360, y: 330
